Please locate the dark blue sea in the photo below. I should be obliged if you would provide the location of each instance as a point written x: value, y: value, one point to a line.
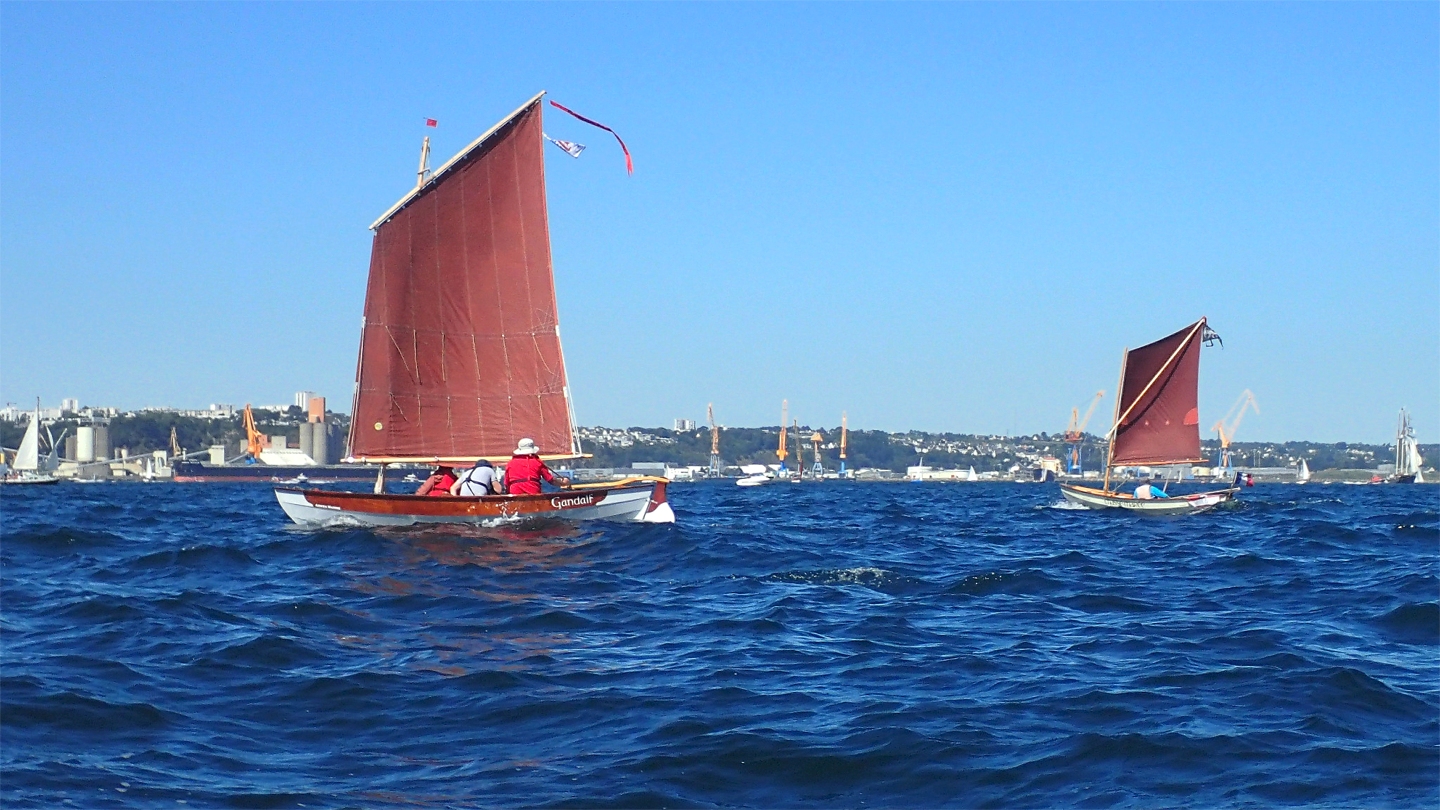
x: 826, y: 645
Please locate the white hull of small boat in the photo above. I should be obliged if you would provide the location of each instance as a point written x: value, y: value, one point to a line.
x: 642, y: 502
x: 1092, y: 498
x: 752, y: 481
x: 31, y: 478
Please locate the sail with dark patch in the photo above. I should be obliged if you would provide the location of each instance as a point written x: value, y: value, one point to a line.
x: 460, y: 349
x: 1157, y: 414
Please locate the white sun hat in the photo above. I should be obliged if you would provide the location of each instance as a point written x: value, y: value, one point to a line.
x: 527, y: 448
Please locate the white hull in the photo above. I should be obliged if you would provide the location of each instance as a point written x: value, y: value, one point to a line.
x: 29, y: 478
x: 318, y: 508
x: 1180, y: 505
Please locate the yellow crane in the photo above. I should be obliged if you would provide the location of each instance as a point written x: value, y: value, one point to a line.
x: 784, y: 419
x: 1075, y: 434
x: 819, y: 469
x: 1227, y: 427
x: 714, y: 441
x: 844, y: 430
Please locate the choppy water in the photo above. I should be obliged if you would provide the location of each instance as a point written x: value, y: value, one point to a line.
x: 829, y: 645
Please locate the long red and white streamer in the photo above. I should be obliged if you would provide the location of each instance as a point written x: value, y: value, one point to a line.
x: 629, y: 164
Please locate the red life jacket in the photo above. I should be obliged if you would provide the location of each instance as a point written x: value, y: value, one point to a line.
x: 524, y: 473
x: 442, y: 487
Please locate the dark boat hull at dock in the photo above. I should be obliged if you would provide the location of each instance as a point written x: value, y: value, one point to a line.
x: 198, y: 472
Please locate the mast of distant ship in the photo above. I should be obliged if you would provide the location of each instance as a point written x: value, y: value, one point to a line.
x: 784, y: 418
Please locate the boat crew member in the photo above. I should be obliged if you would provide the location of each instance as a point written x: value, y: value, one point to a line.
x: 439, y: 483
x: 525, y: 471
x: 1147, y: 491
x: 478, y: 480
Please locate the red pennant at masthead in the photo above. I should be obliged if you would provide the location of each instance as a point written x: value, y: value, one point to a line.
x: 431, y: 122
x: 629, y: 164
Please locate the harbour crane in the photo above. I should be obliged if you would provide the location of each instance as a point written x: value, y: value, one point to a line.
x: 714, y: 441
x: 819, y: 469
x: 254, y: 440
x: 1228, y: 426
x: 844, y: 430
x: 799, y: 449
x: 1075, y: 434
x: 784, y: 419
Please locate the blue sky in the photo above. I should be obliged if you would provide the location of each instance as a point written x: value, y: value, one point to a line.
x: 940, y: 216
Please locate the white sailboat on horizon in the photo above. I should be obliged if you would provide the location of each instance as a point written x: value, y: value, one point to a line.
x: 1407, y: 454
x: 28, y: 468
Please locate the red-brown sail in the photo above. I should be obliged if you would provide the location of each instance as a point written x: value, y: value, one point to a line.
x: 460, y: 352
x: 1157, y: 413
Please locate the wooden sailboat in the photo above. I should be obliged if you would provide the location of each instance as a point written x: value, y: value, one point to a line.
x: 1157, y: 422
x: 460, y: 346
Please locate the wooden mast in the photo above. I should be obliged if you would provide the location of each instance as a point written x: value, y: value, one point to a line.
x: 424, y: 163
x: 1115, y: 424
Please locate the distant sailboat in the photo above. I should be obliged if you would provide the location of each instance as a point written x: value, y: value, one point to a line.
x: 971, y: 476
x: 26, y: 469
x: 1407, y: 454
x: 1157, y: 423
x: 1302, y: 476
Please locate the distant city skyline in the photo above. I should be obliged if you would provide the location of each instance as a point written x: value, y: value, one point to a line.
x: 9, y: 410
x: 933, y: 217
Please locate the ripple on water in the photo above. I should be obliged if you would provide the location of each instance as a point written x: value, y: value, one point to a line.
x: 829, y: 645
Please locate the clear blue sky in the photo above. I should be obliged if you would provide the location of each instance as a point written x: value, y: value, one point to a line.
x: 940, y: 216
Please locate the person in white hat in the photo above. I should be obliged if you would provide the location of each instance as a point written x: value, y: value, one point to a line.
x: 525, y: 471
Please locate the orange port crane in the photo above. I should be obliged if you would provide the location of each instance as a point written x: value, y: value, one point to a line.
x: 819, y: 469
x: 1228, y: 426
x: 784, y: 418
x: 1075, y: 434
x: 714, y: 441
x: 255, y: 441
x: 844, y: 430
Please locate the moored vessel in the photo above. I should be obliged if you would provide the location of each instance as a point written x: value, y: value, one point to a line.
x: 199, y: 472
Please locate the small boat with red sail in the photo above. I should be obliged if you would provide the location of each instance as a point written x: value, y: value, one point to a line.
x: 1157, y: 423
x: 460, y: 352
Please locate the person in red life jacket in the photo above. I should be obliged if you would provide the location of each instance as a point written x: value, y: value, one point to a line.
x: 525, y: 471
x: 438, y: 484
